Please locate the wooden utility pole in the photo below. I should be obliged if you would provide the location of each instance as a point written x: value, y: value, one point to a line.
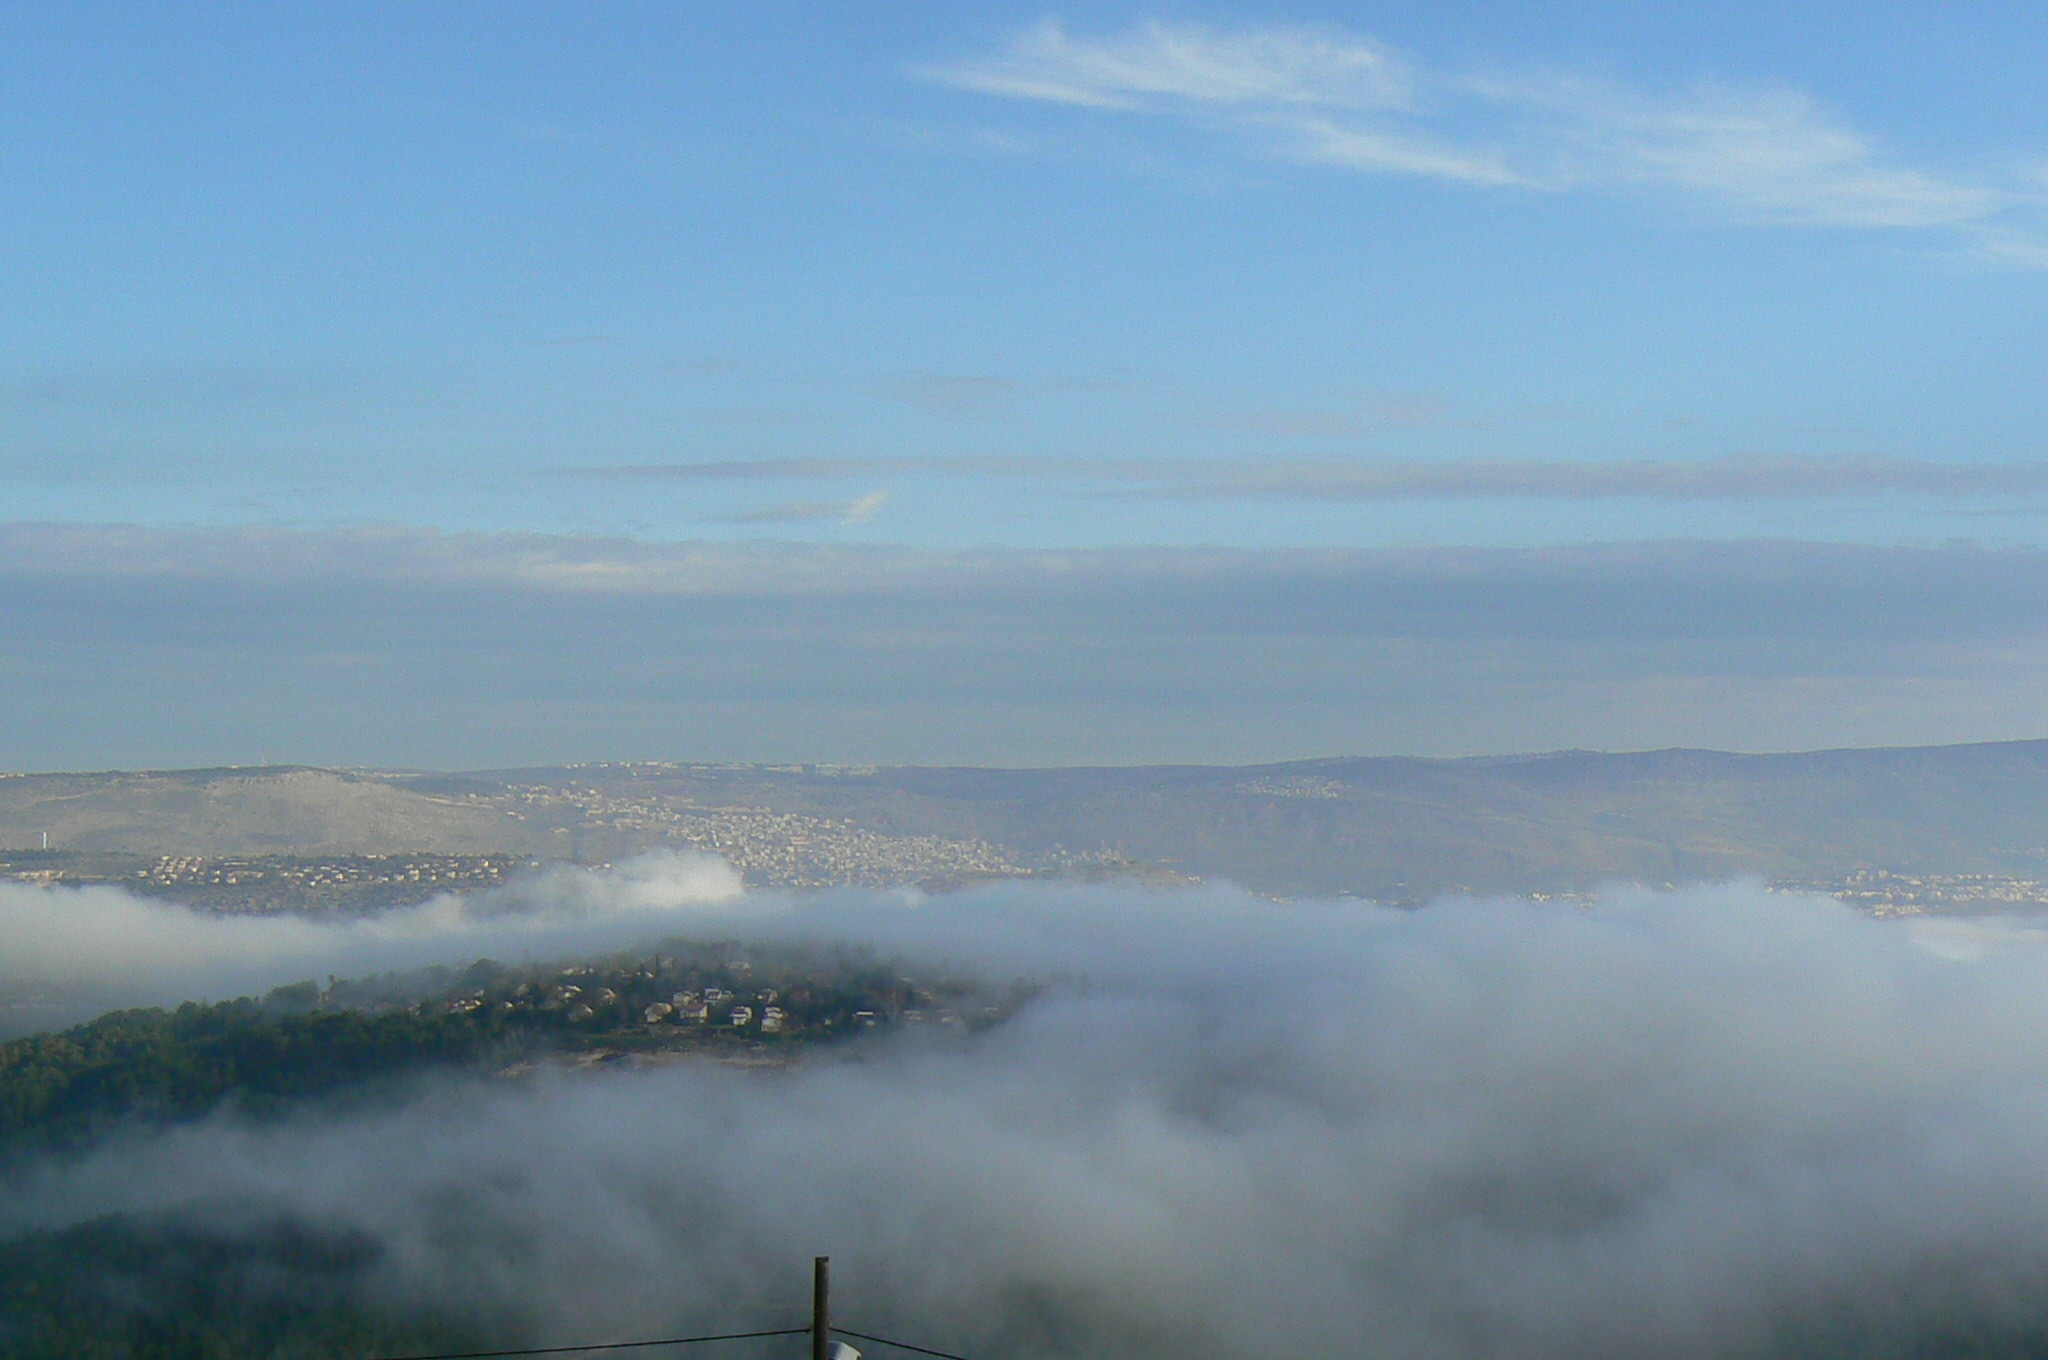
x: 821, y: 1307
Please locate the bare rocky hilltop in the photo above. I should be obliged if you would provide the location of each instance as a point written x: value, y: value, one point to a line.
x: 1393, y: 829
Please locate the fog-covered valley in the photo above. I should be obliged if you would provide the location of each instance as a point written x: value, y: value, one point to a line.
x: 1712, y: 1122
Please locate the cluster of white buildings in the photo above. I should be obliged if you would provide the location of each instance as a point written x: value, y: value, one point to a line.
x: 1884, y: 892
x: 340, y: 873
x: 716, y: 1003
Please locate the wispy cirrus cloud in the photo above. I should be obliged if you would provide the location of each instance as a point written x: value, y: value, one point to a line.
x: 1760, y: 154
x: 1316, y: 84
x: 1297, y: 66
x: 1747, y: 477
x: 1770, y: 155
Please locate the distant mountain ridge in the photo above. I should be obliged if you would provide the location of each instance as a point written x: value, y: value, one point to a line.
x: 1385, y: 827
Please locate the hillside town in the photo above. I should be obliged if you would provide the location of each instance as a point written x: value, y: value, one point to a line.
x: 239, y: 884
x: 796, y: 851
x: 769, y: 848
x: 675, y: 1000
x: 1886, y: 892
x: 259, y: 884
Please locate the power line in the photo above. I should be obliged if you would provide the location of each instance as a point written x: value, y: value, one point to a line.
x: 899, y: 1345
x: 605, y: 1346
x: 820, y: 1331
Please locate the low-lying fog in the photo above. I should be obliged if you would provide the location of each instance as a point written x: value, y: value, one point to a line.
x: 1705, y: 1122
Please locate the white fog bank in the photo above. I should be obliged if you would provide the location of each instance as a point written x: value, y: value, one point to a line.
x: 1715, y: 1122
x: 68, y: 953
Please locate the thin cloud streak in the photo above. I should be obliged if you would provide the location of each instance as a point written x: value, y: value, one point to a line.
x: 1758, y: 154
x: 1287, y: 65
x: 143, y: 582
x: 413, y: 647
x: 1744, y: 477
x: 859, y: 510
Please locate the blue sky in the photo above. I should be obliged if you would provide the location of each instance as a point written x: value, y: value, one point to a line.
x: 955, y: 280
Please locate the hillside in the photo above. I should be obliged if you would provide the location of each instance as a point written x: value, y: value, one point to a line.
x: 1383, y: 827
x: 248, y: 811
